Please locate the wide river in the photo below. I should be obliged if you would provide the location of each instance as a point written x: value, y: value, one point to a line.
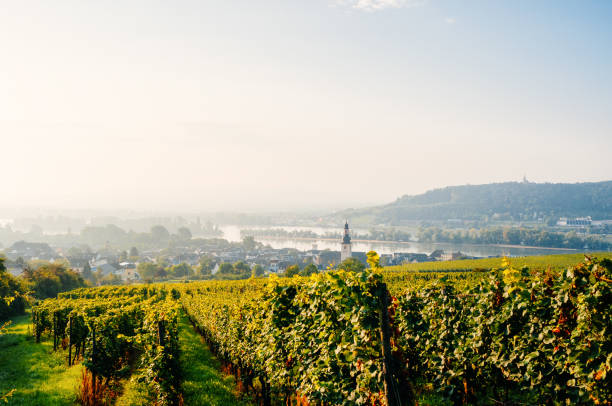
x: 232, y: 233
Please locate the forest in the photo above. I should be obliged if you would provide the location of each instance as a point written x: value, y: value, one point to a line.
x: 509, y: 201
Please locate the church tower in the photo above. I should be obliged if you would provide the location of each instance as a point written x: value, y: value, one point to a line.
x: 345, y: 251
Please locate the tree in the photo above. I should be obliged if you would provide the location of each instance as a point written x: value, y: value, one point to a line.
x: 98, y: 276
x: 162, y: 261
x: 184, y: 234
x: 74, y: 252
x: 147, y: 270
x: 352, y: 265
x: 512, y: 236
x: 206, y: 265
x: 161, y: 273
x: 249, y: 243
x: 13, y: 299
x: 258, y: 271
x: 87, y: 274
x: 204, y: 272
x: 181, y: 270
x: 97, y: 236
x: 160, y: 233
x: 7, y: 395
x: 123, y: 256
x: 133, y: 252
x: 309, y: 270
x: 292, y: 271
x: 573, y: 241
x: 52, y: 278
x: 226, y: 268
x: 241, y: 268
x: 111, y: 279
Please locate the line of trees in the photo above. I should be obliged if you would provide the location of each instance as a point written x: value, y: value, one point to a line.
x: 373, y: 234
x: 513, y: 236
x: 13, y: 294
x: 51, y: 278
x: 37, y: 282
x: 99, y: 236
x: 161, y: 270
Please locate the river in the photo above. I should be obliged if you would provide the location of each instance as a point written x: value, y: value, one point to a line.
x: 232, y: 233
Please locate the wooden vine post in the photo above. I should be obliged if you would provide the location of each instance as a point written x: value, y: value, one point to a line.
x: 70, y: 341
x: 54, y: 331
x: 161, y: 333
x: 389, y: 383
x: 35, y: 320
x: 93, y: 359
x: 265, y: 390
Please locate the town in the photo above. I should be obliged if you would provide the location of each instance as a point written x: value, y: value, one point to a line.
x: 201, y: 258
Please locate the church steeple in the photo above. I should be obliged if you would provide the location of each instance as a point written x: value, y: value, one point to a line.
x: 347, y: 238
x: 346, y: 251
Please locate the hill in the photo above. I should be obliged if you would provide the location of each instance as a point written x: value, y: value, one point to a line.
x: 496, y: 201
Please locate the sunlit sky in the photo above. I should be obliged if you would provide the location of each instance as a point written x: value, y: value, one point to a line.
x: 283, y: 105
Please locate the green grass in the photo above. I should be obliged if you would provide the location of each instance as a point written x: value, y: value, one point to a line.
x: 39, y: 376
x: 203, y: 381
x: 134, y: 393
x: 556, y: 262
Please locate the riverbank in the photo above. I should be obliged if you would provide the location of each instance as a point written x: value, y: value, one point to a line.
x: 356, y: 240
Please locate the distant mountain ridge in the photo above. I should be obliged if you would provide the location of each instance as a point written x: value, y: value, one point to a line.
x: 518, y: 201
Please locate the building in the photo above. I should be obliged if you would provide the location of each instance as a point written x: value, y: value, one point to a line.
x: 130, y: 275
x: 452, y: 256
x: 400, y: 258
x: 436, y: 255
x: 325, y: 258
x: 106, y: 269
x: 575, y: 222
x: 345, y: 251
x: 15, y: 270
x: 31, y: 250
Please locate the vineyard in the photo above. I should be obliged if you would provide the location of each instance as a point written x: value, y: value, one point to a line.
x: 379, y: 337
x: 507, y: 337
x: 557, y: 262
x: 107, y: 329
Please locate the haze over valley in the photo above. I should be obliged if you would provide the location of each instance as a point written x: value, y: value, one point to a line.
x: 321, y: 202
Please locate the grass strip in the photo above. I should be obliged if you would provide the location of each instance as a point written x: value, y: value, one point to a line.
x: 39, y: 376
x: 203, y: 381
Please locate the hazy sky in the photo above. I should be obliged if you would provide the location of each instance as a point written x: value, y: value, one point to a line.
x: 250, y: 105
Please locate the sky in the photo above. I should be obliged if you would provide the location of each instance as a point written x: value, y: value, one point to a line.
x: 292, y: 105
